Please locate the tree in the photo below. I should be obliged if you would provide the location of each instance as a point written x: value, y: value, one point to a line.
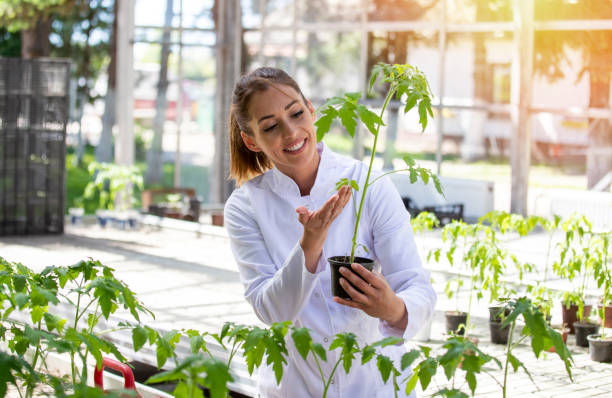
x: 33, y: 18
x: 595, y: 48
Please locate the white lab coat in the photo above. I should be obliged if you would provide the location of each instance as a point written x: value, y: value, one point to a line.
x: 264, y: 235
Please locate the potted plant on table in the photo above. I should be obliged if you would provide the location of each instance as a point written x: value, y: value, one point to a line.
x: 576, y: 265
x: 108, y: 182
x: 600, y: 345
x: 402, y: 80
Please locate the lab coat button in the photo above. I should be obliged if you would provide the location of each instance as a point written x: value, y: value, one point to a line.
x: 325, y: 339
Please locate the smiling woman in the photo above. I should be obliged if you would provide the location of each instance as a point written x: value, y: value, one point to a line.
x: 281, y: 255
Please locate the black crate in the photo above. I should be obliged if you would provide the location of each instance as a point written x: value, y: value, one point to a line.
x: 33, y: 117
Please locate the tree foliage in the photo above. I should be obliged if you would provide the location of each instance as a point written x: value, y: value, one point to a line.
x: 22, y: 14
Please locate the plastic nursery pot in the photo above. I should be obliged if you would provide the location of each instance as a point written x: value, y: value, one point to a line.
x: 570, y: 314
x: 600, y: 350
x: 496, y: 314
x: 499, y: 334
x: 583, y: 330
x: 455, y: 322
x: 337, y: 262
x: 102, y: 216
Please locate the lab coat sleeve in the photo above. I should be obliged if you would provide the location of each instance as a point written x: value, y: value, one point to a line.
x: 396, y: 251
x: 277, y: 292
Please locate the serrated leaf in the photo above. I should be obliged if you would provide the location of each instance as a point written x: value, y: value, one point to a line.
x: 367, y: 353
x: 21, y: 299
x: 370, y: 119
x: 412, y: 382
x: 195, y: 343
x: 139, y: 337
x: 303, y: 341
x: 217, y: 377
x: 320, y: 351
x: 391, y: 340
x: 423, y: 115
x: 323, y: 124
x: 424, y: 173
x: 385, y: 366
x: 409, y: 357
x: 426, y: 371
x: 411, y: 101
x: 470, y: 377
x: 408, y: 160
x: 347, y: 118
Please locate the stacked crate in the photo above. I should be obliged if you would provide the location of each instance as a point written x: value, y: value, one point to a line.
x: 33, y: 117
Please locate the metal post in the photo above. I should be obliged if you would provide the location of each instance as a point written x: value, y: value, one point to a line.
x: 124, y: 147
x: 522, y: 73
x: 442, y: 66
x: 179, y: 102
x: 229, y: 31
x: 262, y: 32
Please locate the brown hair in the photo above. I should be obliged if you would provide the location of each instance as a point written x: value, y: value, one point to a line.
x: 244, y: 163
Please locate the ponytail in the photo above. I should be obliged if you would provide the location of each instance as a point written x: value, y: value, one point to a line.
x: 244, y: 163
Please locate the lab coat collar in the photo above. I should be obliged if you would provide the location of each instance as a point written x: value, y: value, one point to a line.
x: 281, y: 182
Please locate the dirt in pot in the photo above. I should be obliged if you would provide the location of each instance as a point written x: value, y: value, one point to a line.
x: 337, y: 262
x: 455, y: 322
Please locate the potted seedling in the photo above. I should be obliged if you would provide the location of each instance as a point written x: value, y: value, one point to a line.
x: 424, y: 221
x: 541, y: 338
x: 113, y: 185
x: 575, y: 265
x: 402, y: 81
x: 600, y: 346
x: 456, y: 235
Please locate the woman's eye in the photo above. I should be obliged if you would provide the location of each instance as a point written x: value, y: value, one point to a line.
x: 270, y: 128
x: 298, y: 113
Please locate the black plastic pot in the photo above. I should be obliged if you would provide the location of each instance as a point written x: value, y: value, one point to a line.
x: 455, y: 320
x: 495, y: 313
x: 600, y: 350
x: 335, y: 263
x: 582, y: 330
x: 499, y: 335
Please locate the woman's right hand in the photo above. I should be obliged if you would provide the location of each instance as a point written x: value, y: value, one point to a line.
x: 316, y: 224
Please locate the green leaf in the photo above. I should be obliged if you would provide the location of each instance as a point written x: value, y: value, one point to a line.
x: 347, y: 117
x: 426, y: 371
x: 385, y: 366
x: 423, y: 115
x: 217, y: 377
x: 323, y: 124
x: 139, y: 337
x: 367, y: 353
x: 470, y: 377
x: 353, y: 96
x: 424, y: 175
x: 54, y: 322
x: 373, y: 76
x: 195, y: 343
x: 303, y: 341
x: 370, y: 119
x: 411, y: 101
x: 388, y: 341
x: 320, y: 351
x: 409, y: 357
x: 409, y: 160
x: 412, y: 382
x: 21, y: 299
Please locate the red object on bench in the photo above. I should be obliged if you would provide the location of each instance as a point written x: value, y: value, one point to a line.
x: 126, y: 372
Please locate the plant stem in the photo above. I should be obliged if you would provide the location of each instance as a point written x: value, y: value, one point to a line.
x: 319, y: 366
x: 387, y: 99
x: 509, y: 348
x: 326, y: 385
x: 467, y: 319
x: 605, y: 297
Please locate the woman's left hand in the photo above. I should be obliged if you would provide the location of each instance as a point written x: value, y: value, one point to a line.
x: 377, y: 298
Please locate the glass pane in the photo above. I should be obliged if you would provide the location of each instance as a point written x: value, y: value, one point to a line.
x: 197, y: 14
x: 152, y: 12
x: 279, y: 13
x: 330, y: 10
x: 252, y: 43
x: 469, y: 11
x: 147, y: 35
x: 418, y: 48
x: 251, y: 17
x: 198, y: 38
x: 478, y: 68
x: 328, y: 63
x: 546, y: 10
x: 404, y: 10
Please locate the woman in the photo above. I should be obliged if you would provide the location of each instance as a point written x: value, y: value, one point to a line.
x: 281, y: 255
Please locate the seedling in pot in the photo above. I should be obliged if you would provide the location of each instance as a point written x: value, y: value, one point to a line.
x: 541, y: 335
x: 403, y: 81
x: 576, y: 265
x: 600, y: 346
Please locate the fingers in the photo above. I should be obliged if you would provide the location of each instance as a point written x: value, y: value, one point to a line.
x: 303, y: 215
x: 358, y: 282
x: 370, y: 277
x: 348, y: 303
x: 357, y: 297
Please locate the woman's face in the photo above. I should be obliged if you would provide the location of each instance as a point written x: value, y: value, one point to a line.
x: 283, y: 129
